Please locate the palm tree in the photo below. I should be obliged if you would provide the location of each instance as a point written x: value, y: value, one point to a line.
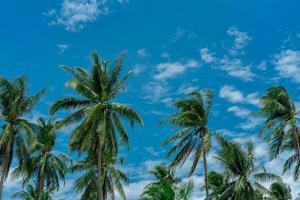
x: 31, y: 193
x: 279, y: 191
x: 166, y: 186
x: 192, y: 118
x: 162, y: 188
x: 158, y: 191
x: 216, y: 181
x: 100, y: 116
x: 280, y: 126
x: 16, y: 129
x: 49, y: 165
x: 184, y: 191
x: 242, y: 177
x: 113, y: 178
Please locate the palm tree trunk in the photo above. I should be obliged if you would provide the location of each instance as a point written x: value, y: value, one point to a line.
x: 40, y: 186
x: 2, y: 177
x: 5, y: 166
x: 100, y: 178
x: 296, y: 141
x: 205, y: 175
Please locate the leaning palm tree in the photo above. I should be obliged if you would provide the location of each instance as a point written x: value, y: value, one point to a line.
x: 101, y: 118
x: 279, y: 191
x: 113, y: 178
x: 15, y: 102
x: 194, y: 136
x: 32, y: 193
x: 280, y: 126
x: 49, y: 166
x: 243, y: 177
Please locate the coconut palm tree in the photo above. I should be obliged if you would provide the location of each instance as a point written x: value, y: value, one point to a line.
x: 158, y: 191
x: 114, y: 178
x: 193, y: 136
x: 162, y: 188
x: 166, y: 186
x: 279, y: 191
x: 184, y: 191
x: 280, y: 126
x: 101, y: 118
x: 15, y: 102
x: 31, y: 193
x: 242, y: 176
x: 49, y: 166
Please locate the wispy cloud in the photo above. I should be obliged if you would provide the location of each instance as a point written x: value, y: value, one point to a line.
x: 142, y: 53
x: 241, y: 39
x: 287, y: 63
x: 62, y: 48
x: 233, y: 95
x: 73, y: 15
x: 169, y: 70
x: 207, y: 56
x: 230, y: 62
x: 235, y: 68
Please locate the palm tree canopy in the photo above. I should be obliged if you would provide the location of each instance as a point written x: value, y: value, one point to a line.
x: 49, y: 165
x: 184, y: 191
x: 96, y: 108
x: 280, y: 113
x: 191, y: 117
x: 281, y: 127
x: 279, y: 191
x: 31, y: 193
x: 242, y: 176
x: 17, y: 131
x: 114, y: 178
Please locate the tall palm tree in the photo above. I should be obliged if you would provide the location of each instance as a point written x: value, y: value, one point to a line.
x: 31, y: 193
x: 15, y: 102
x: 242, y: 176
x: 280, y: 126
x: 279, y: 191
x: 192, y: 118
x: 113, y: 178
x: 49, y: 166
x: 100, y: 116
x: 163, y: 186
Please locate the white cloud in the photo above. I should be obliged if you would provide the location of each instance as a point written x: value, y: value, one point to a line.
x: 186, y: 89
x: 62, y: 48
x: 239, y: 111
x: 180, y: 33
x: 138, y: 69
x: 262, y: 66
x: 75, y: 14
x: 151, y: 151
x: 233, y: 95
x: 251, y: 123
x: 206, y: 55
x: 235, y: 68
x: 169, y: 70
x: 241, y: 39
x: 229, y: 62
x: 287, y: 63
x: 155, y: 91
x: 142, y: 53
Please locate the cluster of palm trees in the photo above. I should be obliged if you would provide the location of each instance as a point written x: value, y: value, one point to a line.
x: 100, y: 132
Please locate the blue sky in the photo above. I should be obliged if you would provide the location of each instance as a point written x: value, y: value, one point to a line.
x: 236, y: 48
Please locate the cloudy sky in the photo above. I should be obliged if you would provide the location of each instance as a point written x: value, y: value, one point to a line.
x: 236, y: 48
